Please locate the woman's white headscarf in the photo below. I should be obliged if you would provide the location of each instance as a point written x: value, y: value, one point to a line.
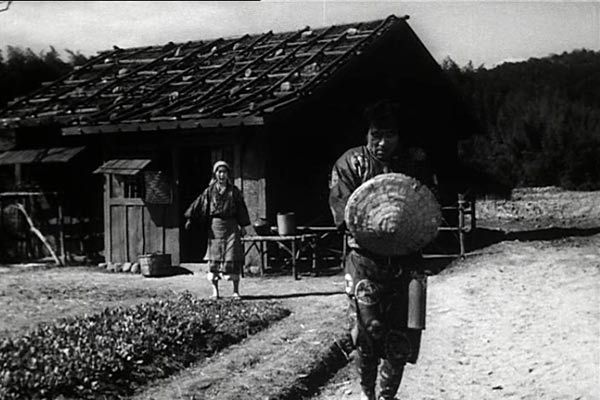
x: 216, y: 167
x: 220, y: 164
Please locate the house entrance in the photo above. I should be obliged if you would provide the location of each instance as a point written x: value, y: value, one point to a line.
x: 194, y: 176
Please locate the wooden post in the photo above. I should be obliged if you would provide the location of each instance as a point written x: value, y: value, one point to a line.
x: 29, y: 247
x: 262, y: 257
x: 473, y: 217
x: 173, y: 245
x: 107, y: 219
x: 313, y: 246
x: 61, y: 232
x: 237, y: 165
x: 164, y: 228
x: 461, y: 223
x: 18, y: 176
x: 294, y: 258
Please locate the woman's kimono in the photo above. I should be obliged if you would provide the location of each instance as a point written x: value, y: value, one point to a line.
x: 225, y: 213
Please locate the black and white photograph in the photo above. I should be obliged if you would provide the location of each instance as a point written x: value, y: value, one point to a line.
x: 300, y: 200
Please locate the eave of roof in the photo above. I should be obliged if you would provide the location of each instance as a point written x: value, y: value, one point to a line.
x: 123, y: 166
x: 143, y: 126
x: 224, y: 82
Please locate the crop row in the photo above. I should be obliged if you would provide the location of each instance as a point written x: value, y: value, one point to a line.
x: 111, y: 353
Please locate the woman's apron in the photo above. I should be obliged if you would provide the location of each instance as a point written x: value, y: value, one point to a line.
x: 225, y: 250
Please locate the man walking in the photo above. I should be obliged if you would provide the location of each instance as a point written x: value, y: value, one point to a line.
x: 377, y: 286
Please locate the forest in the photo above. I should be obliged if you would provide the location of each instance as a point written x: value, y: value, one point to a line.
x: 539, y: 118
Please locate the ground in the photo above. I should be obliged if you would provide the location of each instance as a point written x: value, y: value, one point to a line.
x: 521, y: 320
x: 515, y: 319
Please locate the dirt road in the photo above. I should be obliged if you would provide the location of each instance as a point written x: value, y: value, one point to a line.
x: 521, y: 320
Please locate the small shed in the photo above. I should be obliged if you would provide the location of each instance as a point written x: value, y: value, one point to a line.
x: 280, y: 107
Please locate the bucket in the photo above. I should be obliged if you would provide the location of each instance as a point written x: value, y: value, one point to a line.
x: 155, y: 264
x: 286, y: 224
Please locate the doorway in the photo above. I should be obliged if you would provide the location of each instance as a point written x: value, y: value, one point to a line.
x: 194, y: 176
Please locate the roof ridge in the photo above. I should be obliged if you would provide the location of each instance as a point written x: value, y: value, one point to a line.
x: 238, y: 36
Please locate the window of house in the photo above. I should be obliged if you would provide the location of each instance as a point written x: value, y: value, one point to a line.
x: 127, y: 186
x: 133, y: 186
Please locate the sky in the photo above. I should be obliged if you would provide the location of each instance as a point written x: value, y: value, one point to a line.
x: 483, y: 32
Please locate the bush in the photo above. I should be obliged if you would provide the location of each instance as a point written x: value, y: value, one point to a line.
x: 111, y: 353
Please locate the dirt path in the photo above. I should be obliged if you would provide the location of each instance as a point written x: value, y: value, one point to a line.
x: 519, y: 321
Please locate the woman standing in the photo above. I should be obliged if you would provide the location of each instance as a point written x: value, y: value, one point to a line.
x: 223, y: 207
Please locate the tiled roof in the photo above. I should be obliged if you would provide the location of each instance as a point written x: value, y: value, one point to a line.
x: 234, y: 78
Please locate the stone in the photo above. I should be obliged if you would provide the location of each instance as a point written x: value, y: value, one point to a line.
x: 126, y: 267
x: 253, y: 270
x: 135, y: 268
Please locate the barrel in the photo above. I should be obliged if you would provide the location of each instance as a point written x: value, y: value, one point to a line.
x: 286, y: 224
x: 417, y: 296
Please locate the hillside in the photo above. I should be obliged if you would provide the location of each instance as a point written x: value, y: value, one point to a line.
x: 540, y: 120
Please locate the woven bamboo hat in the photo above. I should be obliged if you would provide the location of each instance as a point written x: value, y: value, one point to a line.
x: 393, y: 214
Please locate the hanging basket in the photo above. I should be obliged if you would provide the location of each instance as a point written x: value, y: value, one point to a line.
x: 158, y: 187
x: 392, y: 215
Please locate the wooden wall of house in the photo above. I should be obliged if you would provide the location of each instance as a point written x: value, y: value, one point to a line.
x: 250, y: 172
x: 308, y: 137
x: 252, y: 156
x: 133, y: 227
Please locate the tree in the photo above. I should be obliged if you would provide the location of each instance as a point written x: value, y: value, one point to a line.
x: 23, y: 71
x: 542, y: 117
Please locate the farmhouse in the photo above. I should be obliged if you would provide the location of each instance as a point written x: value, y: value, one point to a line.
x: 126, y: 141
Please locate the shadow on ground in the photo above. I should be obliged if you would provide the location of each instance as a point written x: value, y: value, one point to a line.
x: 173, y: 271
x: 483, y: 237
x: 291, y: 295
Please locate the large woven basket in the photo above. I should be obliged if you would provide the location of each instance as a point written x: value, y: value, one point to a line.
x: 393, y: 214
x: 155, y: 264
